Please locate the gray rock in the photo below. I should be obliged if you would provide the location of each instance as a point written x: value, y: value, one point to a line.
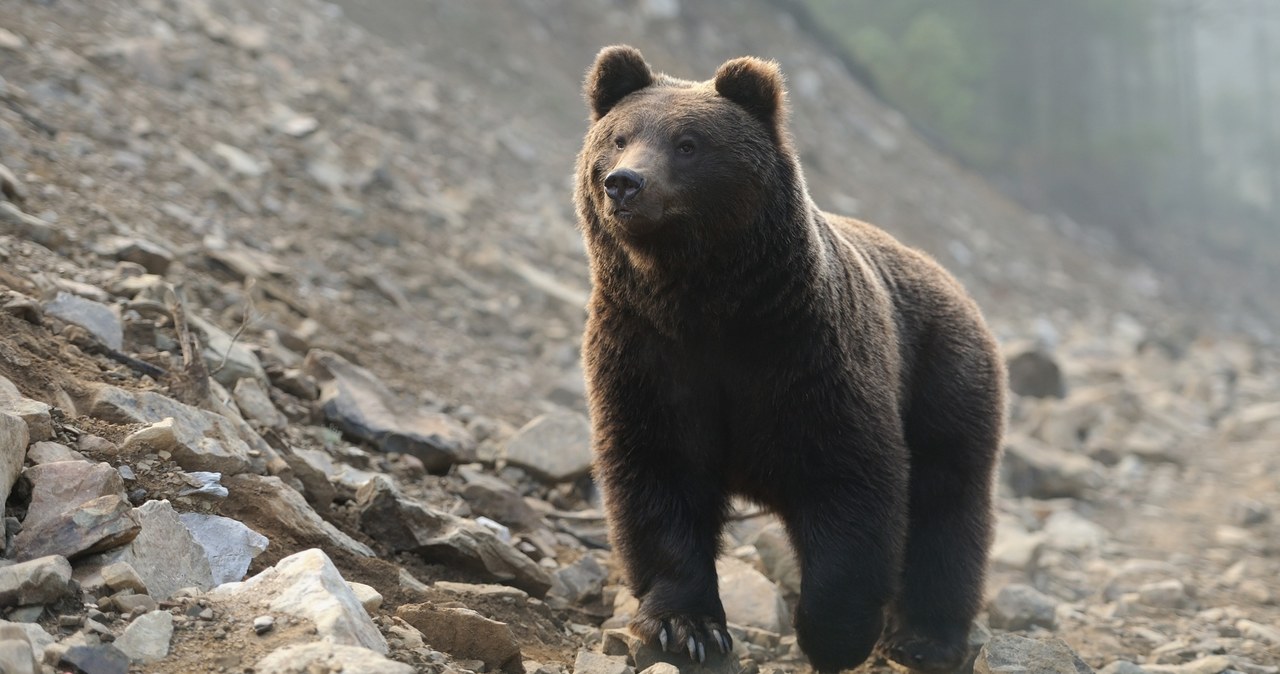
x: 13, y: 447
x: 99, y: 319
x: 463, y: 633
x: 228, y: 360
x: 323, y: 656
x: 1135, y: 573
x: 96, y: 659
x: 307, y: 585
x: 1014, y: 654
x: 1037, y: 470
x: 360, y: 405
x: 368, y: 597
x: 229, y: 545
x: 146, y: 639
x: 39, y: 581
x: 1015, y: 547
x: 1067, y: 531
x: 153, y: 257
x: 122, y: 576
x: 10, y: 187
x: 406, y: 525
x: 165, y: 555
x: 494, y: 498
x: 198, y: 439
x: 77, y: 508
x: 588, y: 662
x: 1212, y: 664
x: 1034, y: 373
x: 17, y: 223
x: 780, y: 563
x: 750, y: 599
x: 33, y: 412
x: 554, y: 447
x: 253, y: 400
x: 1169, y: 594
x: 52, y: 452
x: 35, y: 635
x: 1020, y: 607
x: 1122, y: 667
x: 270, y: 500
x: 580, y: 582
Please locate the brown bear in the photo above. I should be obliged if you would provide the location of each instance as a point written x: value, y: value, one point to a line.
x: 742, y: 342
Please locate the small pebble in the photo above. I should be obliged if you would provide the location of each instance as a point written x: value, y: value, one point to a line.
x: 263, y: 624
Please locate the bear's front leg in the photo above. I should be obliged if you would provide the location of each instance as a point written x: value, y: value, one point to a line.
x: 664, y: 498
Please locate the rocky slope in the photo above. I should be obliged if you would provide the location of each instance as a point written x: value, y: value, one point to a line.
x: 289, y: 308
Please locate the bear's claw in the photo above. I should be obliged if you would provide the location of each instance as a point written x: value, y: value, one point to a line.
x: 684, y: 634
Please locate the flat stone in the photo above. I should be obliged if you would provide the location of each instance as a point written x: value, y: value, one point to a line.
x: 255, y: 498
x: 32, y: 412
x: 463, y: 633
x: 1169, y: 594
x: 152, y: 256
x: 77, y: 508
x: 13, y: 448
x: 580, y: 582
x: 253, y: 400
x: 323, y: 656
x: 588, y: 662
x: 146, y: 639
x: 198, y: 439
x: 1019, y: 607
x: 96, y: 659
x: 1034, y: 372
x: 165, y: 555
x: 1014, y: 654
x: 229, y: 545
x: 99, y: 319
x: 751, y: 599
x: 307, y: 585
x: 122, y: 576
x: 1135, y: 573
x: 39, y: 581
x: 553, y: 447
x: 1212, y: 664
x: 227, y: 359
x: 362, y: 407
x: 494, y: 498
x: 1035, y: 469
x: 52, y: 452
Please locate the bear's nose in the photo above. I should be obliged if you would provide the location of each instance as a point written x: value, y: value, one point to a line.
x: 623, y: 184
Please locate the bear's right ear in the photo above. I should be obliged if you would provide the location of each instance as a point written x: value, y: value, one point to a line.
x: 618, y: 71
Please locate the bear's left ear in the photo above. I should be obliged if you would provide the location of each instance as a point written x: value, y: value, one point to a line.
x: 617, y: 71
x: 756, y: 85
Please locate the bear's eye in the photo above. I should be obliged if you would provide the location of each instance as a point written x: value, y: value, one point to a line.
x: 619, y: 142
x: 685, y: 147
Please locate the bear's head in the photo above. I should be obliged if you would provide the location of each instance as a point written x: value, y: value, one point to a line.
x: 667, y: 159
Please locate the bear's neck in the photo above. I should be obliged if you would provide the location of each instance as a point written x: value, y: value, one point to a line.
x: 687, y: 288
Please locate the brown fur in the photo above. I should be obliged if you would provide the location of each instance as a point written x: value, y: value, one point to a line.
x: 742, y: 342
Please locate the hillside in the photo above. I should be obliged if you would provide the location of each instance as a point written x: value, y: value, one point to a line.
x: 335, y: 245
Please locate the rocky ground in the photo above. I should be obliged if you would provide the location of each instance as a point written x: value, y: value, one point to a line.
x: 288, y: 383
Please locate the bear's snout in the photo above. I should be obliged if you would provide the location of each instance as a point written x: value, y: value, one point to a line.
x: 622, y: 185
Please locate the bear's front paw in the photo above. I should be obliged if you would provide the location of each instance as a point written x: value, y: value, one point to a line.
x: 677, y: 633
x: 924, y: 654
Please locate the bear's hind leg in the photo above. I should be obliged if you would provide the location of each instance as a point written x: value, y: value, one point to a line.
x: 848, y: 542
x: 953, y: 455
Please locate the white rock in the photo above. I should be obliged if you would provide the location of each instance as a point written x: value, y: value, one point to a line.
x: 554, y: 447
x: 36, y: 636
x: 165, y: 554
x: 1020, y: 607
x: 39, y: 581
x: 1213, y: 664
x: 228, y: 544
x: 322, y: 656
x: 1067, y: 531
x: 33, y: 412
x: 368, y: 597
x: 199, y: 439
x: 13, y: 449
x: 1015, y: 547
x: 1169, y: 593
x: 307, y: 585
x: 750, y: 599
x: 146, y: 639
